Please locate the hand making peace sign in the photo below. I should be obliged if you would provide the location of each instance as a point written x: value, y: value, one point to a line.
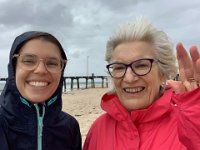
x: 189, y: 69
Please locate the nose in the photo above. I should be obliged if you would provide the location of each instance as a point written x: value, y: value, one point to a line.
x: 41, y: 68
x: 130, y: 76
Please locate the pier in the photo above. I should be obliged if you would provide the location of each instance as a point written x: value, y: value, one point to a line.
x: 104, y: 81
x: 3, y: 79
x: 87, y: 79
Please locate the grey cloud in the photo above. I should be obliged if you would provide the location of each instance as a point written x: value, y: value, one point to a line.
x: 120, y: 5
x: 33, y: 13
x: 83, y: 27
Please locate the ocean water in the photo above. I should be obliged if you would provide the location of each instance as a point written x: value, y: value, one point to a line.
x: 2, y: 83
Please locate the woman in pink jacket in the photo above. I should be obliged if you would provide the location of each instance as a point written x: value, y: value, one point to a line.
x: 142, y: 111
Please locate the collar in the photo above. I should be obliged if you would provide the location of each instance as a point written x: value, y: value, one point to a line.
x: 111, y: 104
x: 48, y: 103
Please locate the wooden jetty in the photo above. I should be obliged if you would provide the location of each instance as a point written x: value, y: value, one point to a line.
x: 3, y: 79
x: 92, y: 78
x: 104, y: 81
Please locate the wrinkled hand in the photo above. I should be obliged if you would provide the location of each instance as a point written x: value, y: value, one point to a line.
x: 189, y: 69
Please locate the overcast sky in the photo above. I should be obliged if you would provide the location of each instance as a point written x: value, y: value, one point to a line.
x: 83, y: 27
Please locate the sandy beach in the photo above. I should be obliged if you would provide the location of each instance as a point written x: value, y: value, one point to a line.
x: 84, y: 105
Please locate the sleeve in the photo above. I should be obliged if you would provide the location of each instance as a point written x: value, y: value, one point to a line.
x: 3, y: 138
x: 188, y: 105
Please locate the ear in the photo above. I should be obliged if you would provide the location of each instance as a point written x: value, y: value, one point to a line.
x: 162, y: 78
x: 162, y: 82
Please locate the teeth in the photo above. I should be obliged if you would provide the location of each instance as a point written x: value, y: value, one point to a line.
x: 133, y: 90
x: 38, y: 83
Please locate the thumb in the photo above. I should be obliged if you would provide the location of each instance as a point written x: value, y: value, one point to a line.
x: 177, y: 86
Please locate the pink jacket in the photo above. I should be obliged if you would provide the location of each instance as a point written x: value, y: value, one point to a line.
x: 170, y: 123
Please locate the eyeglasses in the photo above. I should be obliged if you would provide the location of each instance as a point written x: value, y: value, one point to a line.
x: 140, y: 67
x: 31, y: 62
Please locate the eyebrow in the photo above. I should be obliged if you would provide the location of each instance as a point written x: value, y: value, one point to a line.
x: 51, y: 57
x: 117, y: 61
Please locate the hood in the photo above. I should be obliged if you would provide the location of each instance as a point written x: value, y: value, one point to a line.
x: 10, y: 96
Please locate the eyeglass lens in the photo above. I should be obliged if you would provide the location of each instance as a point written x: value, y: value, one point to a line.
x: 139, y: 67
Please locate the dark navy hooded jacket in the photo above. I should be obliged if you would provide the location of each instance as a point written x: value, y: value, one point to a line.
x: 26, y: 126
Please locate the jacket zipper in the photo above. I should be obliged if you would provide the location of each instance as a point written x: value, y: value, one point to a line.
x: 39, y: 125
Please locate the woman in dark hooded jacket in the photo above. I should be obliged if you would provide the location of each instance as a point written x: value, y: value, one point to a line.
x: 31, y: 115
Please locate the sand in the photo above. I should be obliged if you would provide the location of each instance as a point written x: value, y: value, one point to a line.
x: 84, y: 105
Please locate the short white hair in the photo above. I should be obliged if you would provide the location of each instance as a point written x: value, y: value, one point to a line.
x: 143, y: 30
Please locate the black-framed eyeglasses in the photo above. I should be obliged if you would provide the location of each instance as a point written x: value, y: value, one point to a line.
x: 139, y: 67
x: 31, y: 62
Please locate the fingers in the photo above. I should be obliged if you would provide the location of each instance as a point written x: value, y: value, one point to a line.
x: 177, y: 86
x: 189, y: 67
x: 190, y: 84
x: 195, y: 57
x: 184, y: 62
x: 194, y: 53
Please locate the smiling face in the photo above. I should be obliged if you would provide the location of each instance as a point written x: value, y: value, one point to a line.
x: 39, y: 84
x: 136, y: 92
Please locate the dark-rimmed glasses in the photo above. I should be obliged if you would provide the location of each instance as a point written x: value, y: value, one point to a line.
x: 31, y: 62
x: 139, y: 67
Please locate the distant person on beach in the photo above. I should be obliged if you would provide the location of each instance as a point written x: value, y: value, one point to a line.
x: 146, y: 110
x: 31, y: 115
